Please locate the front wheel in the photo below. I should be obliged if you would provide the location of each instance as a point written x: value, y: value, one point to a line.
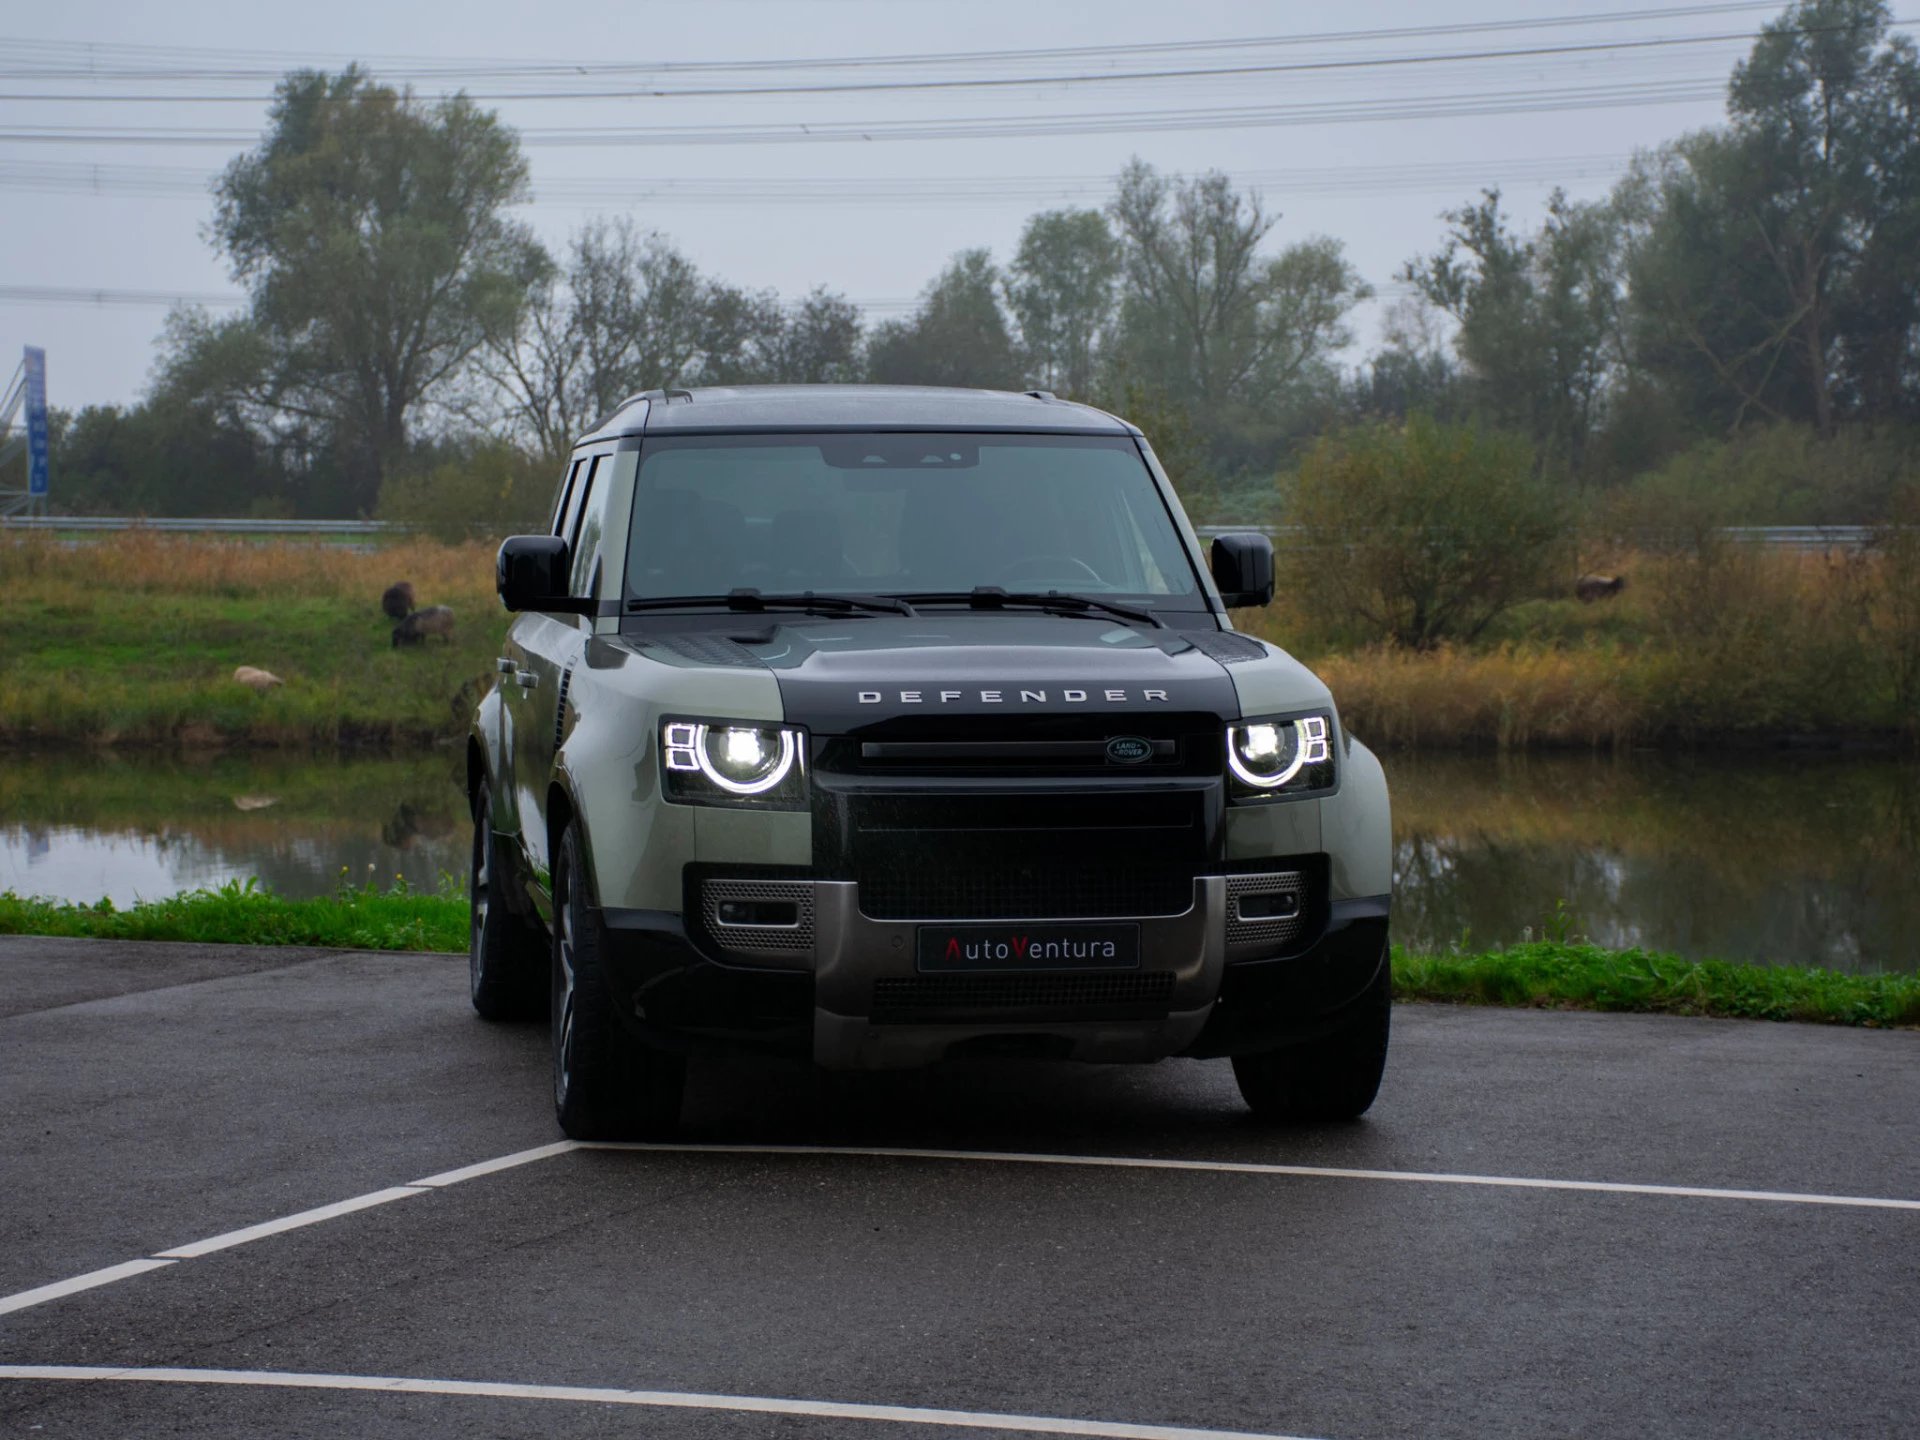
x: 607, y: 1085
x: 505, y: 976
x: 1333, y: 1077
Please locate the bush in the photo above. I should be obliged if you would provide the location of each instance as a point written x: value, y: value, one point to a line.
x: 1424, y: 532
x: 1779, y: 474
x: 1893, y: 606
x: 494, y: 491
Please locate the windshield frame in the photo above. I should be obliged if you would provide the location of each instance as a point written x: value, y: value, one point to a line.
x: 1200, y: 601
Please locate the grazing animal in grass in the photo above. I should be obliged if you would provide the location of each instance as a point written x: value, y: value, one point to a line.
x: 1590, y: 588
x: 258, y: 681
x: 397, y: 600
x: 414, y: 629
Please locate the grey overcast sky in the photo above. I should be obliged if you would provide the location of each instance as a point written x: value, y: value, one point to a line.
x: 1343, y: 125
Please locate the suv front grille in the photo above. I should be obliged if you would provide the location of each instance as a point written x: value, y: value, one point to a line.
x: 1033, y: 889
x: 970, y: 855
x: 948, y: 999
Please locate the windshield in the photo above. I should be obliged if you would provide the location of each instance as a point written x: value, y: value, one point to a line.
x: 901, y: 513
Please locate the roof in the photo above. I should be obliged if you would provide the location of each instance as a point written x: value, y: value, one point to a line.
x: 727, y: 409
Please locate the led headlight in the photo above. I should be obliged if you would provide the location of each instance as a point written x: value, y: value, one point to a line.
x: 1281, y: 757
x: 720, y: 762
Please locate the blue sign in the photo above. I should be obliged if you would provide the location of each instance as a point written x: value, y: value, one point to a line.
x: 36, y: 421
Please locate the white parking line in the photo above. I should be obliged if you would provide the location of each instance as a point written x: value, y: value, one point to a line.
x: 655, y: 1399
x: 88, y: 1281
x: 1240, y: 1167
x: 228, y: 1239
x: 495, y: 1166
x: 288, y: 1222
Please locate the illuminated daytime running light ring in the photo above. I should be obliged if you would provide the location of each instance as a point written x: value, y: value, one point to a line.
x: 788, y: 752
x: 1310, y: 748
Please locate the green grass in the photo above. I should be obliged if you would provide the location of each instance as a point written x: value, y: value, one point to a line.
x: 1549, y: 974
x: 242, y: 914
x: 1546, y: 974
x: 134, y: 641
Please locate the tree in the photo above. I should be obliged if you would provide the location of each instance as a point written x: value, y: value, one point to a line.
x: 1422, y: 532
x: 1776, y: 271
x: 755, y: 339
x: 958, y: 336
x: 372, y: 232
x: 628, y: 313
x: 1538, y: 316
x: 1208, y: 315
x: 1061, y: 286
x: 1410, y: 373
x: 163, y: 458
x: 820, y: 342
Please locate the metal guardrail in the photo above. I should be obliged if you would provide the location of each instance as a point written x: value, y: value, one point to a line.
x: 1786, y: 537
x: 195, y: 525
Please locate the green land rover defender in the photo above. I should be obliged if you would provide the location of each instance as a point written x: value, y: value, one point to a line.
x: 884, y: 726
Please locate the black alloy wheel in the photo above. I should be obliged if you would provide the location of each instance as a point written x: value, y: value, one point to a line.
x: 504, y: 954
x: 1334, y: 1076
x: 607, y: 1084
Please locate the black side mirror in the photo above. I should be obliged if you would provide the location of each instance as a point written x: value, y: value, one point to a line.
x: 533, y: 572
x: 1243, y: 569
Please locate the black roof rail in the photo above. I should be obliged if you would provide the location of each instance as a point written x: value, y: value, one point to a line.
x: 665, y: 397
x: 667, y: 394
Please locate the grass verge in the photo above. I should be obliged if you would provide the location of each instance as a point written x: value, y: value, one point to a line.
x: 1561, y: 974
x: 1545, y: 974
x: 366, y: 918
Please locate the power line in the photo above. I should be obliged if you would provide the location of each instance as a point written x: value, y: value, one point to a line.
x: 972, y: 191
x: 80, y: 295
x: 1532, y: 52
x: 434, y: 68
x: 1532, y: 100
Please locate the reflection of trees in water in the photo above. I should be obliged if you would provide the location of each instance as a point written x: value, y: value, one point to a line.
x: 333, y: 819
x: 1781, y: 860
x: 412, y: 824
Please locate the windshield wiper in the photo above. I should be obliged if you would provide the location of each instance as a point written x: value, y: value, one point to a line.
x: 992, y: 597
x: 752, y: 600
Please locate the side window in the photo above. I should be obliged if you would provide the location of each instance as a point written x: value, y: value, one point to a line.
x: 584, y: 540
x: 567, y: 508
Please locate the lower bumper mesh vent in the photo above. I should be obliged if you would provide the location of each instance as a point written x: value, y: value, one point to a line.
x: 944, y: 999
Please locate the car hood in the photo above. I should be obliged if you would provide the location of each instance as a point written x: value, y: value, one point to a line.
x: 836, y: 676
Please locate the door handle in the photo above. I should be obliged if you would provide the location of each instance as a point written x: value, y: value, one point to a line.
x: 526, y: 679
x: 503, y: 665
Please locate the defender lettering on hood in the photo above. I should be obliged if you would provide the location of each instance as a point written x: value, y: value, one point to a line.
x: 1022, y: 696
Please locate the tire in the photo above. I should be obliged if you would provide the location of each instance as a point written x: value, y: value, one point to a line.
x: 607, y: 1085
x: 506, y: 961
x: 1332, y: 1077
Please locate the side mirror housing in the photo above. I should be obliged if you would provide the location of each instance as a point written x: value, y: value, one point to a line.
x: 1243, y: 569
x: 533, y: 572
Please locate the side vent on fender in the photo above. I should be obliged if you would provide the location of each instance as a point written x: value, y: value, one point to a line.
x: 560, y: 712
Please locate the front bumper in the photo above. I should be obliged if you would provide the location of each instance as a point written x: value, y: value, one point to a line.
x: 844, y: 989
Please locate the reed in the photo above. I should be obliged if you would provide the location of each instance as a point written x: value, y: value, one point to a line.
x: 1726, y: 642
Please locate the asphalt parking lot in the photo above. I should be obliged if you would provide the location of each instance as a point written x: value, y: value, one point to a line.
x: 272, y: 1192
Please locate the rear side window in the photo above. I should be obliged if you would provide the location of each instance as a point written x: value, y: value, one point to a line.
x: 584, y: 539
x: 566, y: 507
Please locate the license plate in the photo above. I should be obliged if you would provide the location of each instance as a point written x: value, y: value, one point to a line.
x: 1029, y: 947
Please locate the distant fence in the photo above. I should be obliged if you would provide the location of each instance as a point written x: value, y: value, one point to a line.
x: 1786, y: 537
x: 193, y: 525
